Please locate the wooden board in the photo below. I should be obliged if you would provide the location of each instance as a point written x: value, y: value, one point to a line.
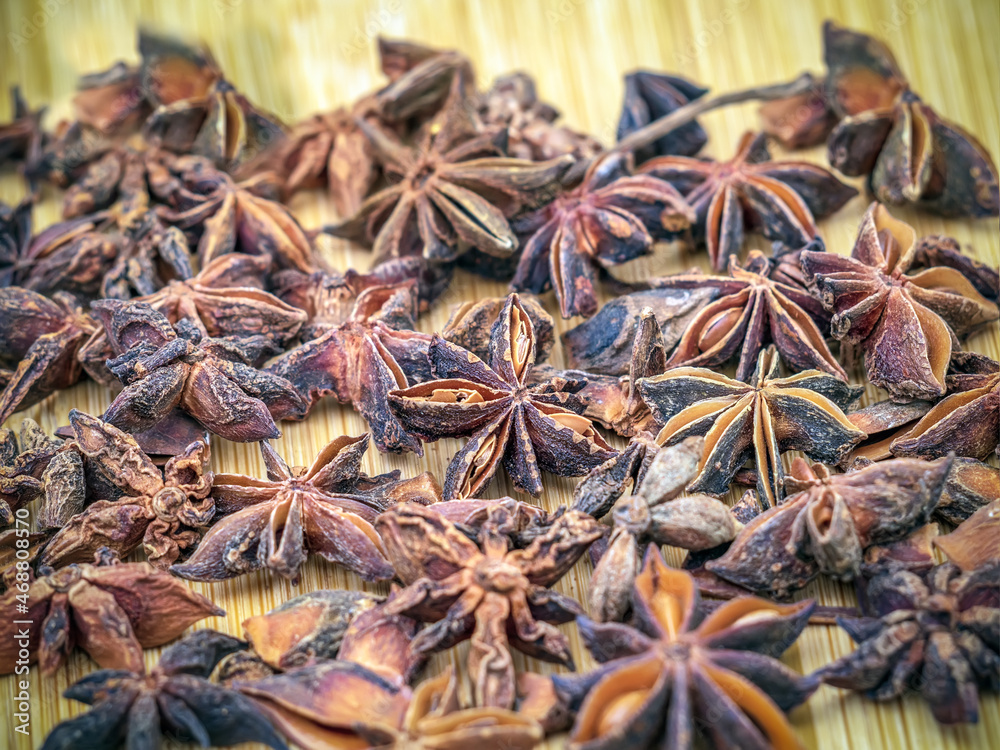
x: 294, y: 58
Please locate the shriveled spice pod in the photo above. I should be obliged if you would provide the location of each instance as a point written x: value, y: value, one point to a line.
x: 905, y: 323
x: 650, y: 96
x: 111, y: 610
x: 676, y: 676
x: 829, y: 521
x: 976, y: 541
x: 174, y: 700
x: 24, y: 458
x: 326, y: 509
x: 933, y: 633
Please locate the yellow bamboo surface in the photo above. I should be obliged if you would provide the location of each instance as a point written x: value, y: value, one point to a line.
x: 297, y: 57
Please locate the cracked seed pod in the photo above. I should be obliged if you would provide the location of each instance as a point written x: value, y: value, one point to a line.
x: 976, y: 541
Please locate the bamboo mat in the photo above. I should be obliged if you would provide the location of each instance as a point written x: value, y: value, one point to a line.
x: 300, y: 56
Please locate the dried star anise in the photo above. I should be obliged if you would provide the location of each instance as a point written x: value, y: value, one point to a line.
x: 229, y: 216
x: 41, y: 338
x: 604, y: 343
x: 453, y: 188
x: 15, y: 236
x: 610, y: 218
x: 175, y: 700
x: 829, y: 521
x: 760, y: 420
x: 750, y: 312
x: 22, y: 138
x: 935, y: 251
x: 933, y: 632
x: 781, y: 200
x: 109, y: 609
x: 650, y: 96
x: 676, y: 675
x: 471, y: 323
x: 655, y: 514
x: 164, y: 512
x: 906, y: 324
x: 420, y: 79
x: 326, y: 509
x: 513, y: 103
x: 800, y: 121
x: 495, y: 597
x: 510, y: 422
x: 23, y: 461
x: 911, y: 153
x: 211, y: 379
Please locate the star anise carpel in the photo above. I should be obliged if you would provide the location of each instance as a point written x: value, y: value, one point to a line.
x: 22, y: 139
x: 164, y: 366
x: 610, y: 218
x: 782, y: 200
x: 759, y: 420
x: 24, y: 458
x: 326, y: 509
x: 165, y: 512
x: 752, y: 310
x: 495, y: 596
x: 509, y: 421
x: 109, y: 609
x: 650, y: 96
x: 453, y: 188
x: 677, y: 674
x: 906, y: 324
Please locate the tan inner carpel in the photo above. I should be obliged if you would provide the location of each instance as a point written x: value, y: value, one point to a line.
x: 521, y: 341
x: 693, y: 413
x: 617, y: 697
x: 455, y: 396
x: 938, y: 341
x: 903, y: 236
x: 788, y: 197
x: 761, y: 709
x: 950, y: 404
x: 720, y: 326
x: 668, y: 592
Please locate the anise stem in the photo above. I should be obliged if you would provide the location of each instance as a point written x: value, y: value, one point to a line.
x: 668, y: 123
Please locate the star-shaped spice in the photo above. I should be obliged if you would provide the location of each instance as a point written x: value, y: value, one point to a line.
x: 655, y: 514
x: 174, y: 700
x: 22, y: 138
x: 933, y: 633
x: 676, y: 675
x: 829, y: 521
x: 109, y: 609
x: 232, y: 216
x: 509, y: 421
x: 905, y: 324
x: 612, y: 217
x: 15, y: 236
x: 164, y: 512
x: 452, y: 189
x: 420, y: 79
x: 650, y: 96
x: 326, y: 509
x: 780, y: 200
x: 495, y: 597
x: 40, y: 337
x: 23, y: 461
x: 164, y: 366
x: 751, y: 311
x: 911, y: 154
x: 760, y: 420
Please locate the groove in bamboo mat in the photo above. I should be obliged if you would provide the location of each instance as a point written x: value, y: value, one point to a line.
x: 297, y: 57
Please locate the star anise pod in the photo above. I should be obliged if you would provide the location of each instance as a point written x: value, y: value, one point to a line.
x: 935, y: 251
x: 496, y: 597
x: 174, y: 700
x: 750, y: 312
x: 780, y: 200
x: 676, y: 674
x: 532, y: 132
x: 15, y: 236
x: 212, y: 379
x: 471, y: 323
x: 195, y: 109
x: 421, y: 79
x: 650, y: 96
x: 165, y: 512
x: 326, y: 509
x: 911, y: 154
x: 23, y: 461
x: 22, y: 138
x: 975, y: 542
x: 654, y: 514
x: 510, y: 422
x: 452, y: 189
x: 905, y: 324
x: 612, y: 217
x: 225, y: 299
x: 800, y: 121
x: 829, y: 521
x: 111, y: 610
x: 41, y: 338
x: 934, y: 633
x: 760, y: 420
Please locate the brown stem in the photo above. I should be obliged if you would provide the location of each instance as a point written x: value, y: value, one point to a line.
x: 655, y: 130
